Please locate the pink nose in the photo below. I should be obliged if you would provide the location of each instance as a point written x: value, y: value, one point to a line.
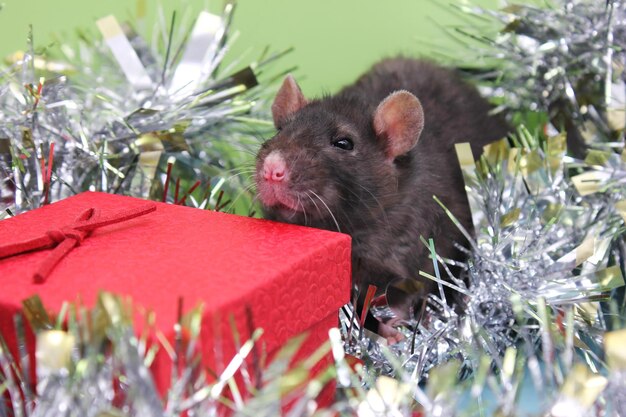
x: 274, y: 167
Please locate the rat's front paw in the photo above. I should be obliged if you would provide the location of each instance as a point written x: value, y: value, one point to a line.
x: 392, y: 335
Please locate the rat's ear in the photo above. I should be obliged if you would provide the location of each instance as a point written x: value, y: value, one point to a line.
x: 399, y: 120
x: 289, y: 100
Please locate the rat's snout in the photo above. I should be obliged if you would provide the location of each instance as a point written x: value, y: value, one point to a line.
x: 274, y: 167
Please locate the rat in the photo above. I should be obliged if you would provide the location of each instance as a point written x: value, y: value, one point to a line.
x: 368, y: 160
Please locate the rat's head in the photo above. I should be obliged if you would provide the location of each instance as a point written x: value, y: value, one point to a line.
x: 334, y: 161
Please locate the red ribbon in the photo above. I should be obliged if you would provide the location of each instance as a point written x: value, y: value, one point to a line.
x: 65, y: 239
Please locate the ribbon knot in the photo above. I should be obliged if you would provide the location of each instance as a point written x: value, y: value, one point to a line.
x: 70, y: 232
x: 66, y: 238
x: 58, y: 236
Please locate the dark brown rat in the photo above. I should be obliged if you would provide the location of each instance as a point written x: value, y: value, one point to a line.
x: 368, y: 161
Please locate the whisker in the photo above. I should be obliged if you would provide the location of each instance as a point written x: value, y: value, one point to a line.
x: 313, y: 201
x: 303, y: 210
x: 346, y: 219
x: 246, y: 190
x: 249, y: 177
x: 329, y: 212
x: 253, y: 203
x: 242, y: 168
x: 247, y: 165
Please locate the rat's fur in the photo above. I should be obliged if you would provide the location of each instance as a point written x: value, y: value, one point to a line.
x: 384, y: 205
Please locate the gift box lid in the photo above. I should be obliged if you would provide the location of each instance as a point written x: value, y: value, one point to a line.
x: 288, y: 276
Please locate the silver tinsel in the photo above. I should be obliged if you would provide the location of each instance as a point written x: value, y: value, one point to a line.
x: 565, y: 58
x: 98, y: 367
x: 117, y: 108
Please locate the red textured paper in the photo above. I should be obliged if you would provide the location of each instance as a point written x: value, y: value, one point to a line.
x: 291, y: 277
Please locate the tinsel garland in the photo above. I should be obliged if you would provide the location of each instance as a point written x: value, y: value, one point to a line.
x: 90, y: 362
x: 109, y: 113
x: 540, y: 330
x: 562, y: 59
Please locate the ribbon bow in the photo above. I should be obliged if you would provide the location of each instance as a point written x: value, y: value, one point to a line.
x: 65, y: 239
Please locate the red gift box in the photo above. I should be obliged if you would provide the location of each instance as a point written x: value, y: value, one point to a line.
x: 291, y: 278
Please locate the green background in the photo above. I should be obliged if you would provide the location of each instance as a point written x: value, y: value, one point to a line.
x: 334, y: 40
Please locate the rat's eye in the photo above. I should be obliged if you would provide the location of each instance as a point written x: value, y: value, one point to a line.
x: 344, y: 143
